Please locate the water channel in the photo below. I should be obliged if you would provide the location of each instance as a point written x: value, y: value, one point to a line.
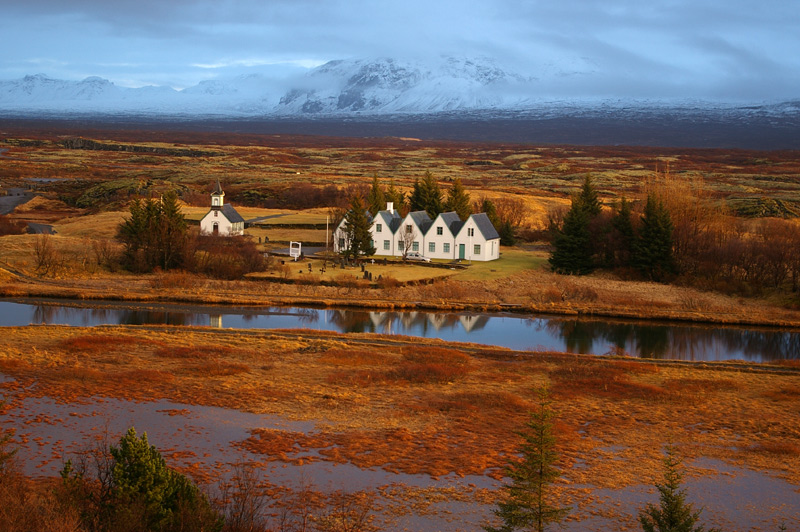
x: 517, y: 331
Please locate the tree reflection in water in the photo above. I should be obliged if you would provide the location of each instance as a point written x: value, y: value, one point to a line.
x: 644, y: 339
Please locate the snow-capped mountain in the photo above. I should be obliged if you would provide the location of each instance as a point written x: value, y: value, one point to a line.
x: 391, y: 86
x: 361, y: 86
x: 357, y: 87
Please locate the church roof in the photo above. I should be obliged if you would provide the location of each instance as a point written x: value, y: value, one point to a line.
x: 217, y: 189
x: 231, y: 214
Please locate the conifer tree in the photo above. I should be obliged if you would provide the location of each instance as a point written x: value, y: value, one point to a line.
x: 416, y: 202
x: 458, y: 200
x: 529, y: 503
x: 358, y: 239
x: 573, y: 246
x: 427, y: 196
x: 673, y: 514
x: 376, y: 199
x: 397, y: 197
x: 588, y: 196
x: 653, y: 255
x: 623, y: 237
x: 155, y: 234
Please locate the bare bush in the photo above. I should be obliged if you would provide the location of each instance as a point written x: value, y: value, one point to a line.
x: 48, y: 260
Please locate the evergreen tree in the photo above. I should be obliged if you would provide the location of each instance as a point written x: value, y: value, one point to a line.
x: 623, y: 237
x: 155, y: 234
x: 653, y: 255
x: 416, y: 201
x: 674, y: 514
x: 458, y: 200
x: 573, y: 244
x: 529, y: 502
x: 133, y: 489
x: 171, y: 229
x: 426, y: 196
x: 376, y: 199
x: 489, y: 208
x: 358, y: 238
x: 589, y: 199
x: 395, y: 196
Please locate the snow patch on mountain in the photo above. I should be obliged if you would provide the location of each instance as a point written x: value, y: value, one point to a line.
x: 355, y: 87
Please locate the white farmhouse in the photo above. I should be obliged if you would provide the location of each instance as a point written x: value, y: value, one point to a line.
x: 410, y: 235
x: 222, y: 219
x: 383, y: 228
x: 440, y: 238
x: 446, y: 237
x: 477, y: 239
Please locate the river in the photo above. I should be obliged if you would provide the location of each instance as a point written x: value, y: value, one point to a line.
x: 516, y: 331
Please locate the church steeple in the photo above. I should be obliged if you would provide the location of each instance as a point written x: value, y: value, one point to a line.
x: 217, y: 196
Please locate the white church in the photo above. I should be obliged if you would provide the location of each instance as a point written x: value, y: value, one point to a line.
x: 222, y: 219
x: 446, y: 237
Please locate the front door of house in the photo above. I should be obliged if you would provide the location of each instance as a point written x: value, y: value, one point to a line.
x: 462, y: 251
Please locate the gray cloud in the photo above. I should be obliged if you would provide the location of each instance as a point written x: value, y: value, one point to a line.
x: 686, y: 48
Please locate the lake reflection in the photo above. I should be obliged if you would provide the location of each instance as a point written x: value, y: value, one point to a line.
x: 643, y: 339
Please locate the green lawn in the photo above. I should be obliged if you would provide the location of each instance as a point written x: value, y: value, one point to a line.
x: 512, y: 260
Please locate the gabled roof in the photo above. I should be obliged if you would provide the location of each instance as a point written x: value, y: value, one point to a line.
x: 230, y: 213
x: 485, y: 226
x: 390, y: 218
x: 452, y: 221
x: 422, y: 220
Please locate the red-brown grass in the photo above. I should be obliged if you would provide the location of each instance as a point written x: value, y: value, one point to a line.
x: 426, y: 373
x: 696, y: 386
x: 435, y: 355
x: 776, y: 447
x: 194, y: 352
x: 360, y: 378
x: 179, y: 279
x: 101, y: 342
x: 600, y: 379
x: 352, y: 357
x: 785, y: 393
x: 219, y: 368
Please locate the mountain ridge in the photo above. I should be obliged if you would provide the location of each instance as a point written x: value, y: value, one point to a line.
x: 355, y: 87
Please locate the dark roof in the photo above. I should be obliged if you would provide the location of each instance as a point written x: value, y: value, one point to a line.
x: 485, y: 226
x: 217, y: 189
x: 391, y: 219
x: 230, y: 213
x: 422, y: 220
x: 452, y: 221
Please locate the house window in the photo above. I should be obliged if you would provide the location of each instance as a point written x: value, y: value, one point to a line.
x: 386, y: 245
x: 446, y: 247
x: 477, y: 250
x: 409, y: 228
x: 399, y: 244
x: 378, y: 228
x: 216, y: 213
x: 471, y: 231
x: 439, y: 231
x: 372, y: 244
x: 432, y: 247
x: 415, y: 246
x: 341, y: 243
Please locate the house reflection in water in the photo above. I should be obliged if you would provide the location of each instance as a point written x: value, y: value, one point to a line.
x: 215, y: 320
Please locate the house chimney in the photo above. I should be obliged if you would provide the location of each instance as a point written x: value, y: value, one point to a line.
x: 390, y: 207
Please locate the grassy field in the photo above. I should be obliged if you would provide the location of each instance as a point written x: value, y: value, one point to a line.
x: 424, y: 407
x: 387, y: 403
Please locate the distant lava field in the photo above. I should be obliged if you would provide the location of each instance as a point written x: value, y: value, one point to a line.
x: 663, y: 127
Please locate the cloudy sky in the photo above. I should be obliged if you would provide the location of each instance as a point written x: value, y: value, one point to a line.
x: 724, y: 49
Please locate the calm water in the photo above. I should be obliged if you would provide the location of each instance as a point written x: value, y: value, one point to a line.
x: 517, y: 331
